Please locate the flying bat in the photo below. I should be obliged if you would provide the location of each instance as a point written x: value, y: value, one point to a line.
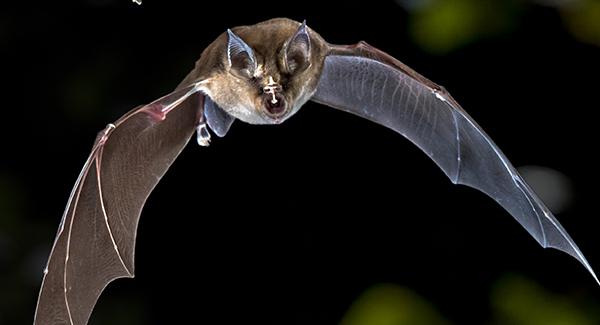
x: 262, y: 74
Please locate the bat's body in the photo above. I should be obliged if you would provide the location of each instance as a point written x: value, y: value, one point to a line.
x: 239, y: 97
x: 262, y: 74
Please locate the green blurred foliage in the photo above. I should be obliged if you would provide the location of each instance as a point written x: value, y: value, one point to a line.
x: 583, y: 20
x: 443, y: 26
x: 516, y: 300
x: 390, y: 304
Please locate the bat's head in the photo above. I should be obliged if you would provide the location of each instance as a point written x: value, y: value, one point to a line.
x: 270, y: 70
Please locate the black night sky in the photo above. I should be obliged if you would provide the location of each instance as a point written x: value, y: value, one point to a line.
x: 291, y: 224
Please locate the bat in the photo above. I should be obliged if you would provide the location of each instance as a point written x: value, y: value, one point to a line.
x: 262, y: 74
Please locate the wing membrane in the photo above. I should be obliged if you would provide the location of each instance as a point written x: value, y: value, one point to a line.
x: 96, y: 239
x: 369, y: 83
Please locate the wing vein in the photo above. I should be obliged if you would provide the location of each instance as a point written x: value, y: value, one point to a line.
x: 394, y: 94
x: 508, y: 169
x: 456, y: 143
x: 74, y: 194
x: 458, y: 149
x: 537, y: 215
x: 68, y: 307
x: 105, y: 215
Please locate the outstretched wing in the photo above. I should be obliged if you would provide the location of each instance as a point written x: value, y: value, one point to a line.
x: 363, y: 80
x: 96, y: 238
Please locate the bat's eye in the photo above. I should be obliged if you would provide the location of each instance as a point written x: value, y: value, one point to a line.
x: 296, y: 63
x: 243, y: 70
x: 242, y: 65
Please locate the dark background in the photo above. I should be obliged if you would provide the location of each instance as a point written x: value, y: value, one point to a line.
x: 292, y: 224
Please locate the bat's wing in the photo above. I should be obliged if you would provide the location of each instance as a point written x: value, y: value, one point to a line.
x: 362, y: 80
x: 96, y: 238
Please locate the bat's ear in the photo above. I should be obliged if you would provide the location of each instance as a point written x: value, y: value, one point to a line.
x: 240, y: 56
x: 297, y: 50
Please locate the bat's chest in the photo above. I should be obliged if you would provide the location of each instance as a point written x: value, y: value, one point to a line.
x: 235, y: 99
x: 246, y: 114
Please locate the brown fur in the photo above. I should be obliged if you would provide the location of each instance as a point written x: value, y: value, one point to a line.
x: 242, y: 98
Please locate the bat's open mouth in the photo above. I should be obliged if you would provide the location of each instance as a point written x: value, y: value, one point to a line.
x: 275, y: 105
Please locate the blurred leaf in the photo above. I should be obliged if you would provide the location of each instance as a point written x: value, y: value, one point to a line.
x: 389, y: 304
x: 583, y: 20
x: 443, y: 26
x: 516, y: 300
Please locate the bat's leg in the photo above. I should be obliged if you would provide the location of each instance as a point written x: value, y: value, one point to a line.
x: 202, y: 134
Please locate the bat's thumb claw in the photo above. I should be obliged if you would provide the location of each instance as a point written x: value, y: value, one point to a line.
x: 202, y: 135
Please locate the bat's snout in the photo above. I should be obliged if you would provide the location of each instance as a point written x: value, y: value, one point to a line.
x: 274, y: 102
